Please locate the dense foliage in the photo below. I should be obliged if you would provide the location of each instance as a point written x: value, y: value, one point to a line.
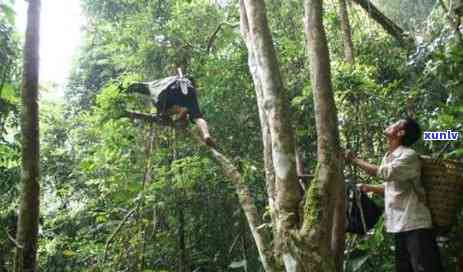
x: 113, y: 203
x: 9, y: 129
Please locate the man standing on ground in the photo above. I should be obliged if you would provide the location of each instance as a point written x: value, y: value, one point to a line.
x: 406, y: 214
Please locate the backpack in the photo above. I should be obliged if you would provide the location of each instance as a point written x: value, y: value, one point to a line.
x: 362, y: 213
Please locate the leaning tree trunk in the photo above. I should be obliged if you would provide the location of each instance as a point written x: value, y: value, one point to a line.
x: 250, y: 211
x: 346, y: 31
x: 28, y: 220
x: 246, y: 201
x: 388, y: 25
x: 263, y: 243
x: 319, y: 207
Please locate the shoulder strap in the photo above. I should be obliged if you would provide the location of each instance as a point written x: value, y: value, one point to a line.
x: 184, y: 83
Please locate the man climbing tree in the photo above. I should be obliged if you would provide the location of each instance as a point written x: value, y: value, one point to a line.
x: 28, y: 220
x: 175, y: 95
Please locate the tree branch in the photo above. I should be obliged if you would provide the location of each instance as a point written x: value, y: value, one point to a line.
x: 245, y: 199
x: 388, y: 25
x: 116, y: 231
x: 211, y: 39
x: 11, y: 238
x: 214, y: 34
x: 149, y: 118
x: 444, y: 7
x: 242, y: 190
x: 146, y: 177
x: 454, y: 20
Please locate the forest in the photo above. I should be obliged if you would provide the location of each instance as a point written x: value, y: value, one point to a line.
x: 96, y: 181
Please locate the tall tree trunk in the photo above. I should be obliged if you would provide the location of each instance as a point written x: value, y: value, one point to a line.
x: 388, y: 25
x: 28, y: 220
x: 309, y: 252
x: 339, y: 235
x: 346, y: 31
x: 182, y: 256
x: 244, y: 249
x: 265, y: 130
x: 267, y: 76
x: 319, y: 206
x: 147, y: 151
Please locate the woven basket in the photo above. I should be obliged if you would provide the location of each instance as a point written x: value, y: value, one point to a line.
x: 443, y: 182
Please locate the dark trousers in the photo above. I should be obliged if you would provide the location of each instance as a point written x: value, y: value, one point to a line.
x: 417, y: 251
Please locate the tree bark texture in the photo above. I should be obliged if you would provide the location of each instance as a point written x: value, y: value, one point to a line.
x: 148, y: 149
x: 182, y: 256
x: 263, y: 243
x: 338, y: 233
x: 346, y: 31
x: 324, y: 190
x: 265, y: 129
x: 387, y: 24
x: 249, y: 209
x: 274, y: 105
x: 28, y: 220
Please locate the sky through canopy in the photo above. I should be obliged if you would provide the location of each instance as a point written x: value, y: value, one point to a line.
x: 61, y: 32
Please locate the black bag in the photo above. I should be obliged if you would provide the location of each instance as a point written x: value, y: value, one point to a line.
x: 362, y: 213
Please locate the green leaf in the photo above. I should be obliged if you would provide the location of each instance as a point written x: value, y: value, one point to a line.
x: 68, y: 253
x: 9, y: 94
x: 238, y: 264
x: 359, y: 261
x: 8, y: 12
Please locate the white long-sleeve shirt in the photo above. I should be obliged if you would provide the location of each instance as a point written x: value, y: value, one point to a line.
x: 405, y: 197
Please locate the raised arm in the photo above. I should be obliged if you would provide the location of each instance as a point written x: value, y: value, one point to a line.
x: 369, y: 168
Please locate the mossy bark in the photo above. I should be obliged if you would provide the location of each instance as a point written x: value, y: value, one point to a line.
x: 28, y: 219
x: 285, y: 195
x: 307, y: 247
x: 324, y: 191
